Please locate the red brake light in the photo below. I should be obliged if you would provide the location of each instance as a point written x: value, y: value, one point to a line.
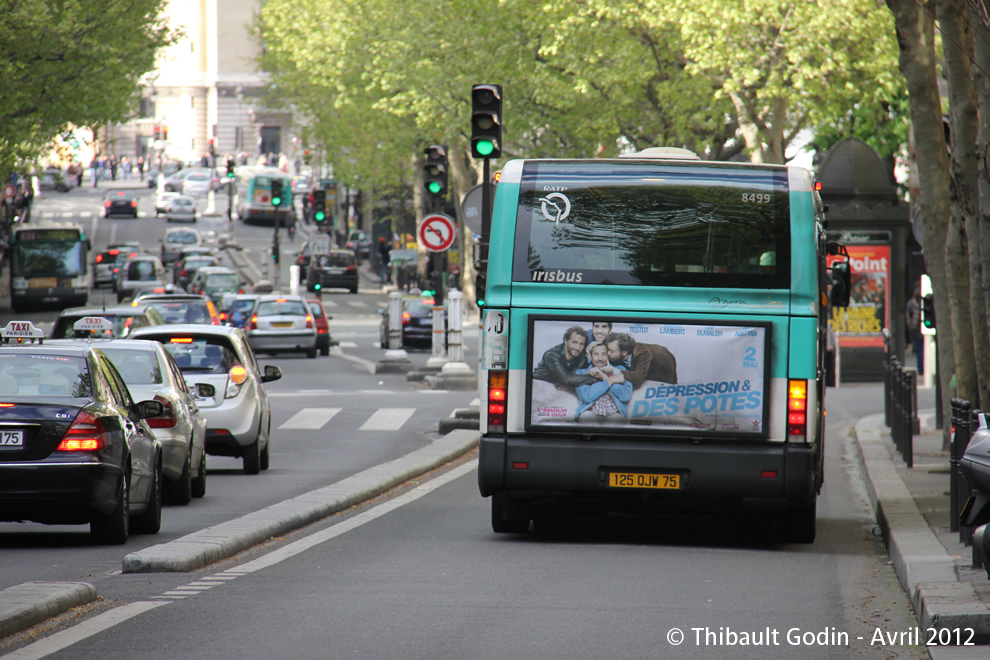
x: 7, y: 405
x: 180, y: 340
x: 114, y: 253
x: 406, y: 316
x: 254, y: 322
x: 309, y: 320
x: 797, y: 406
x: 85, y: 434
x: 498, y: 383
x: 99, y: 258
x: 106, y: 204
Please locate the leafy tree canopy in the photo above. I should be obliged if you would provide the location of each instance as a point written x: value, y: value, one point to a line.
x: 71, y: 62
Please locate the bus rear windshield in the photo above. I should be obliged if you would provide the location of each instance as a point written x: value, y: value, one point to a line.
x: 654, y: 224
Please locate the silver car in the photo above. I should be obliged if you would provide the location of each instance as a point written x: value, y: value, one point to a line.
x: 150, y: 372
x: 140, y: 271
x: 181, y: 208
x: 197, y: 183
x: 238, y: 414
x: 282, y: 324
x: 176, y: 239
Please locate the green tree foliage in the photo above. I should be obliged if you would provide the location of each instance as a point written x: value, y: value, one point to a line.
x: 68, y: 62
x: 580, y: 77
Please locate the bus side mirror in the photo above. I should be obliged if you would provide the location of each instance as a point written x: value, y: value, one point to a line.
x: 841, y: 284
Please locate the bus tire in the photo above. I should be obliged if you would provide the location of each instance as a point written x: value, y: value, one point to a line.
x: 799, y: 525
x: 503, y: 525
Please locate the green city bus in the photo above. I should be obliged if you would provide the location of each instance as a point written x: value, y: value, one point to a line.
x: 653, y: 340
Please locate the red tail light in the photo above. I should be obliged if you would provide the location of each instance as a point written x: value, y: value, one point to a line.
x: 114, y: 253
x: 85, y: 434
x: 183, y: 273
x: 106, y: 204
x: 309, y: 320
x: 223, y: 316
x: 99, y: 258
x: 498, y: 385
x: 797, y: 410
x: 254, y: 322
x: 167, y: 419
x: 134, y: 203
x: 351, y: 269
x: 406, y: 318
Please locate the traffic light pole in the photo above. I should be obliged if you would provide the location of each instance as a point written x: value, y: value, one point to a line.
x: 486, y: 229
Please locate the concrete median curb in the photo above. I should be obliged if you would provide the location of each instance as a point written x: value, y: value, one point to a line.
x: 926, y: 570
x: 24, y: 605
x: 227, y: 539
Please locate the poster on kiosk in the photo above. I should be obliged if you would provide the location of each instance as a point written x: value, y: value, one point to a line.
x: 678, y: 377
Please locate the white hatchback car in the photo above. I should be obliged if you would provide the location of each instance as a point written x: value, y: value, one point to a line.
x: 177, y: 238
x: 162, y: 200
x: 197, y: 183
x: 181, y: 208
x: 282, y: 324
x: 238, y: 414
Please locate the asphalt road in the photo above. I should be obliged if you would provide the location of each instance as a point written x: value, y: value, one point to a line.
x: 419, y: 574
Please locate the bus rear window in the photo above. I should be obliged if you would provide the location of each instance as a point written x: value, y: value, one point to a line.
x: 653, y: 224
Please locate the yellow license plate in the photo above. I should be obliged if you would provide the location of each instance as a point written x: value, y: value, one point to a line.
x: 639, y: 480
x: 42, y: 282
x: 282, y: 324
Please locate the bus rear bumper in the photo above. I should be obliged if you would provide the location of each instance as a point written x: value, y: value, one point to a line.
x: 753, y: 475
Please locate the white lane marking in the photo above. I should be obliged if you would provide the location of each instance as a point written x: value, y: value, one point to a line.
x: 347, y: 344
x: 387, y: 419
x: 325, y: 393
x: 357, y: 303
x: 310, y: 418
x: 367, y: 364
x: 88, y: 628
x: 296, y: 547
x: 328, y: 303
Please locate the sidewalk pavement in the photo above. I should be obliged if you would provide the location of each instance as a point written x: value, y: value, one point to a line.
x: 912, y: 508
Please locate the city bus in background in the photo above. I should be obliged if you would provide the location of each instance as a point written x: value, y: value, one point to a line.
x: 654, y: 331
x: 252, y: 191
x: 49, y: 266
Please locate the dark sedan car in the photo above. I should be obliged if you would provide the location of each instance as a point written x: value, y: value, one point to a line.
x: 120, y: 202
x: 337, y: 270
x: 74, y: 446
x: 417, y: 323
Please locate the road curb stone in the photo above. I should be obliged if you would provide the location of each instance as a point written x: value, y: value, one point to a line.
x: 227, y: 539
x: 25, y: 605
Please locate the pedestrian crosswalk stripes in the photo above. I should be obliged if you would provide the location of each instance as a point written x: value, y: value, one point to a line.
x: 310, y: 418
x: 387, y: 419
x: 314, y: 419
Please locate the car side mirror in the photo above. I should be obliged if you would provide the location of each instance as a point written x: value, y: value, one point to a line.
x: 271, y: 373
x: 149, y: 408
x: 205, y: 390
x: 841, y: 284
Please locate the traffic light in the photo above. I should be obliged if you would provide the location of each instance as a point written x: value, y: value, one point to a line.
x: 158, y: 132
x: 928, y: 311
x: 486, y: 121
x: 230, y: 168
x: 276, y: 192
x: 319, y: 205
x: 436, y: 169
x: 213, y: 148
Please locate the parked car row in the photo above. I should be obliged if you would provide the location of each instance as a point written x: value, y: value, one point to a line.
x: 101, y: 432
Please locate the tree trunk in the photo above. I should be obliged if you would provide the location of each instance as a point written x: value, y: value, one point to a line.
x: 915, y: 26
x: 965, y: 266
x: 981, y: 82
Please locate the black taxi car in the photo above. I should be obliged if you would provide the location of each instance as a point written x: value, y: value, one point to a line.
x: 74, y: 446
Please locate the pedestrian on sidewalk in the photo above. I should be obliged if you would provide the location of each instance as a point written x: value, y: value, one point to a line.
x: 383, y: 258
x: 913, y: 316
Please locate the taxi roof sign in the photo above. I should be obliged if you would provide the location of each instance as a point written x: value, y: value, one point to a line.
x: 93, y: 324
x: 21, y: 330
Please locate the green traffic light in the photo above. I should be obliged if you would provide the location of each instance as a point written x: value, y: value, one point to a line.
x: 481, y: 303
x: 276, y: 201
x: 317, y: 286
x: 320, y: 216
x: 484, y: 147
x: 434, y: 187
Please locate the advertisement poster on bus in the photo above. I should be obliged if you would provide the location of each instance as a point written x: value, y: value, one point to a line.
x: 676, y: 376
x: 862, y: 323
